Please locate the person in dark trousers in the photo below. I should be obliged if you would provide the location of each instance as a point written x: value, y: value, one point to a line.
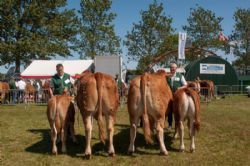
x: 60, y: 82
x: 13, y: 90
x: 175, y: 81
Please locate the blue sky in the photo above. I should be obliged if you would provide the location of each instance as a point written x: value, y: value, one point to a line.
x: 128, y: 12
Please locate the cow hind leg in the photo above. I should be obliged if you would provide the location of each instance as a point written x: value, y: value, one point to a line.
x: 53, y: 139
x: 181, y: 134
x: 88, y: 131
x: 63, y: 138
x: 160, y: 135
x: 133, y: 129
x: 191, y: 135
x: 110, y: 129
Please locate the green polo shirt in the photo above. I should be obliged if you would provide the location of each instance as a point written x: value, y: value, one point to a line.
x: 58, y: 84
x: 175, y: 83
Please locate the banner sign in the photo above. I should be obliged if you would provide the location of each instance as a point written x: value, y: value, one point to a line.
x: 206, y: 68
x: 181, y: 46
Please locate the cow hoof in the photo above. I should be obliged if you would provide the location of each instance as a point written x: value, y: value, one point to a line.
x: 88, y: 156
x: 181, y: 150
x: 130, y: 153
x: 192, y: 150
x: 112, y: 154
x: 54, y: 153
x: 164, y: 153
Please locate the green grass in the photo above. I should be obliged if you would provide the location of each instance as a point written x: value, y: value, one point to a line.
x: 224, y: 139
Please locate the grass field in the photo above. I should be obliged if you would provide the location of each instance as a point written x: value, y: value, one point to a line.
x: 224, y: 139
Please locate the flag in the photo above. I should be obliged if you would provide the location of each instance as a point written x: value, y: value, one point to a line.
x: 181, y: 47
x: 222, y: 37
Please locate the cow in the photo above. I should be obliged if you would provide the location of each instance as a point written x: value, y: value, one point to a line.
x: 97, y: 96
x: 149, y: 97
x: 207, y: 89
x: 46, y: 93
x: 186, y: 106
x: 29, y: 92
x: 4, y: 91
x: 61, y: 117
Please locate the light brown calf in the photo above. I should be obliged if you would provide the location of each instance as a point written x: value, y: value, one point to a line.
x: 4, y: 91
x: 186, y: 106
x: 61, y: 117
x: 29, y: 92
x: 97, y: 96
x: 207, y: 89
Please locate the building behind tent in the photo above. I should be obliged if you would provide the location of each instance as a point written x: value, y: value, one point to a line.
x: 111, y: 65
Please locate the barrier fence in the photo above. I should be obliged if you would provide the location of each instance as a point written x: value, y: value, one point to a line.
x: 14, y: 96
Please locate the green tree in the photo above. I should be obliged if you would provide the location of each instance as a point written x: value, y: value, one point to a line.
x: 203, y: 29
x: 146, y: 38
x: 241, y: 35
x: 35, y: 30
x: 97, y: 31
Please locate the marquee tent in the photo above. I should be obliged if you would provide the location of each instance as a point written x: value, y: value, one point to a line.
x: 42, y: 69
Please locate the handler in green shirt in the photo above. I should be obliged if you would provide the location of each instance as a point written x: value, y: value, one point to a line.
x: 60, y: 82
x: 175, y: 82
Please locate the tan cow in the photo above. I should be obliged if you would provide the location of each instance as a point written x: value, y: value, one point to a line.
x: 61, y: 117
x: 186, y: 106
x: 97, y: 96
x: 4, y: 91
x: 150, y: 97
x: 29, y: 92
x: 207, y: 89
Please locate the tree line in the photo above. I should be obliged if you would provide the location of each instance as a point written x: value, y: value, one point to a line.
x: 43, y: 29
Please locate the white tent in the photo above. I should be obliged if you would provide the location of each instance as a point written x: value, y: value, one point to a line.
x: 41, y: 69
x: 178, y: 70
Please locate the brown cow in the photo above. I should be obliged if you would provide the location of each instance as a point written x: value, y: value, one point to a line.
x: 29, y: 92
x: 150, y: 97
x: 186, y: 106
x: 97, y: 96
x: 207, y: 89
x: 4, y: 91
x: 46, y: 92
x: 61, y: 117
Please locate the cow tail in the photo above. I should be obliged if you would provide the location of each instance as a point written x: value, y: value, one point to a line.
x: 197, y: 122
x: 145, y: 118
x: 196, y: 99
x: 102, y: 135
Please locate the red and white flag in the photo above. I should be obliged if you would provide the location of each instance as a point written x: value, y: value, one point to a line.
x: 222, y: 37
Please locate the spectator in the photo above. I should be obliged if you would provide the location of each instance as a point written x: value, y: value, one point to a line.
x: 60, y: 82
x: 21, y: 84
x: 37, y: 86
x: 13, y: 90
x: 175, y: 82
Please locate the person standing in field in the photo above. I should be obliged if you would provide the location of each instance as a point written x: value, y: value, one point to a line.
x: 61, y: 82
x: 175, y: 81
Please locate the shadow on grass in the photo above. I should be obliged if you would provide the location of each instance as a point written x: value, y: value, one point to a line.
x: 43, y: 146
x: 121, y: 143
x: 122, y: 138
